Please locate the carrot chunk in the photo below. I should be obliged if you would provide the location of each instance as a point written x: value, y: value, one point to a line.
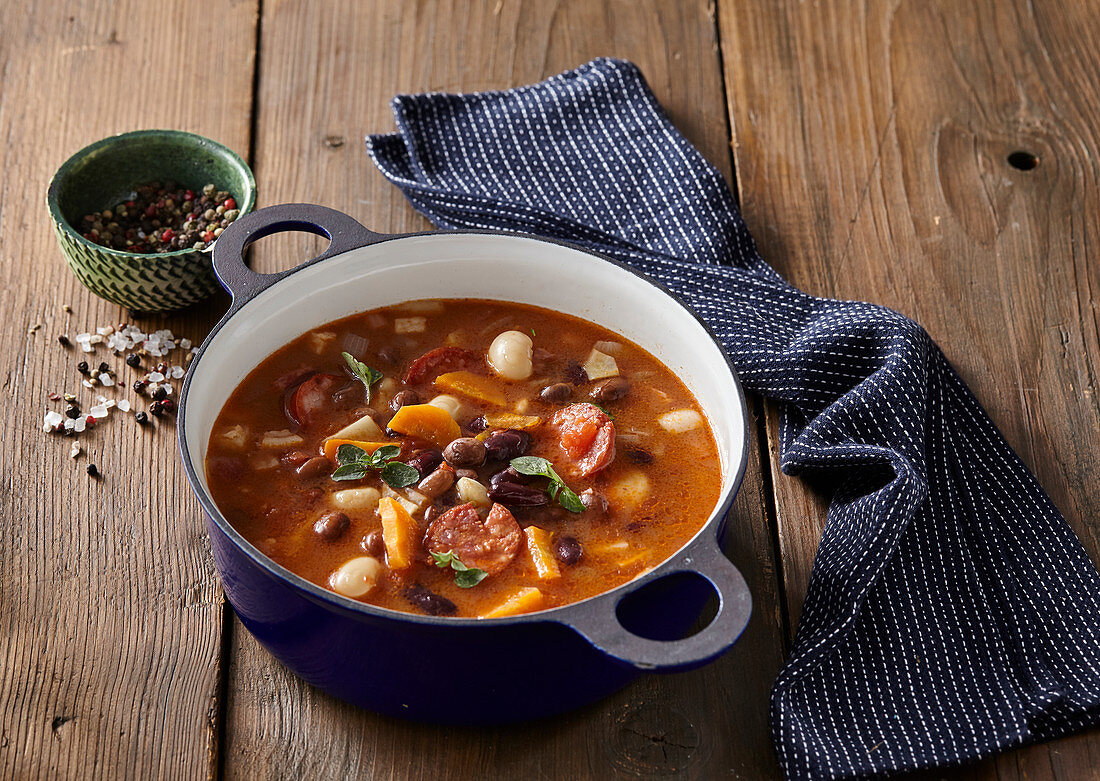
x: 471, y: 385
x: 524, y: 600
x: 332, y: 445
x: 399, y: 533
x: 427, y: 422
x: 538, y: 547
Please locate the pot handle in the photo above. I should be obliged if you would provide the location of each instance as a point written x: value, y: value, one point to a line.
x: 600, y: 623
x: 343, y: 232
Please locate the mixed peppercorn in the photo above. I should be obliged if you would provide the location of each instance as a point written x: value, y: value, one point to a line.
x: 162, y: 217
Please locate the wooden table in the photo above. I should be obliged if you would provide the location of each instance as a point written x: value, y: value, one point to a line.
x: 937, y: 157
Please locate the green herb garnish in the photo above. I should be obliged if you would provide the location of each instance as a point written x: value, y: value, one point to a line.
x: 602, y: 409
x: 465, y: 577
x: 355, y: 463
x: 540, y: 467
x: 366, y: 374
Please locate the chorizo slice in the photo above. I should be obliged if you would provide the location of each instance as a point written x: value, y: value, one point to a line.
x: 310, y: 396
x: 439, y: 361
x: 488, y: 545
x: 587, y: 435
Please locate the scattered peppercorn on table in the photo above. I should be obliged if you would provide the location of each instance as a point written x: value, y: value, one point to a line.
x: 876, y: 156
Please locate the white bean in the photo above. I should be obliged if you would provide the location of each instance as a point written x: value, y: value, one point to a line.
x: 448, y: 404
x: 355, y: 577
x: 510, y: 355
x: 679, y: 421
x: 356, y: 498
x: 472, y: 491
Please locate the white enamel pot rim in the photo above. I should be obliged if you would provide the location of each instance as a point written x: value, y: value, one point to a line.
x: 362, y: 270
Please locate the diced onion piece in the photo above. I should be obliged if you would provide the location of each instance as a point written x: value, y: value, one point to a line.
x: 263, y: 462
x: 356, y: 499
x: 320, y: 340
x: 600, y: 365
x: 470, y: 490
x: 410, y: 325
x: 538, y: 547
x: 365, y: 429
x: 679, y: 421
x: 523, y: 601
x: 280, y: 439
x: 611, y: 348
x: 424, y: 307
x: 416, y: 498
x: 629, y: 491
x: 510, y: 355
x: 356, y: 577
x: 448, y: 404
x: 235, y: 437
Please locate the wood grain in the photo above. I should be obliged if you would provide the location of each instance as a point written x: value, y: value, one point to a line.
x: 110, y: 612
x: 330, y: 82
x: 873, y: 144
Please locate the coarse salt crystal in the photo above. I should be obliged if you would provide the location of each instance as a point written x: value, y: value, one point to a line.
x: 105, y: 331
x: 170, y: 345
x: 69, y: 423
x: 154, y: 377
x: 80, y: 424
x: 83, y: 337
x: 124, y: 405
x: 75, y: 450
x: 99, y: 412
x: 50, y: 421
x: 185, y: 344
x: 109, y: 403
x: 106, y: 380
x: 86, y: 347
x: 168, y: 389
x: 177, y: 372
x: 96, y: 339
x: 152, y: 388
x: 87, y: 383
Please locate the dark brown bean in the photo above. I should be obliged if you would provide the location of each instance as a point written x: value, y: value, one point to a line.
x: 403, y: 398
x: 568, y: 550
x: 509, y: 475
x: 331, y: 525
x: 506, y: 444
x: 639, y: 455
x: 425, y: 462
x: 373, y: 543
x: 594, y: 501
x: 428, y: 601
x: 461, y: 473
x: 315, y: 467
x: 556, y: 393
x: 437, y: 482
x: 295, y: 457
x: 389, y: 354
x: 611, y: 389
x: 477, y: 425
x: 465, y: 452
x: 516, y: 495
x: 432, y: 513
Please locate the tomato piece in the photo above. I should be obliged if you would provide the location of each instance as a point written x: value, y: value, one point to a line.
x: 587, y: 435
x: 440, y: 361
x: 309, y: 397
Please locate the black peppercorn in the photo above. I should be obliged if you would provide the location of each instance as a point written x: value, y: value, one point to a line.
x: 160, y: 394
x: 92, y: 471
x: 72, y: 411
x: 104, y: 368
x: 140, y: 386
x: 141, y: 418
x: 82, y: 367
x: 154, y: 409
x: 133, y: 360
x: 64, y: 340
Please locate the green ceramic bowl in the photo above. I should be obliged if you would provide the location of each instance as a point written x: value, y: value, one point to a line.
x: 105, y: 173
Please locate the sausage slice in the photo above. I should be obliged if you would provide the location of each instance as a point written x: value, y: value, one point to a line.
x: 439, y: 361
x: 490, y: 545
x: 587, y: 435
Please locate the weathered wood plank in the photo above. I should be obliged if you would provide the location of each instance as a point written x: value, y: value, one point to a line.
x: 110, y: 612
x: 327, y: 75
x: 874, y: 146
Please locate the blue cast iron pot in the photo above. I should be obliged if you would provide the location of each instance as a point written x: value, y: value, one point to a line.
x: 412, y: 665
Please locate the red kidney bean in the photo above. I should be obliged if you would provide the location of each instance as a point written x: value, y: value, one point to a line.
x: 568, y: 550
x: 611, y: 389
x: 373, y: 543
x: 594, y: 501
x: 461, y: 473
x: 331, y: 525
x: 639, y: 455
x: 556, y: 393
x: 517, y: 495
x: 403, y: 398
x: 509, y: 475
x: 465, y: 452
x: 428, y: 601
x: 437, y: 482
x: 425, y: 462
x: 295, y: 457
x: 315, y: 467
x: 477, y: 425
x: 506, y: 444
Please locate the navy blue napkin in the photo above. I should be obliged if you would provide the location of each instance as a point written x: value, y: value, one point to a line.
x: 951, y: 612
